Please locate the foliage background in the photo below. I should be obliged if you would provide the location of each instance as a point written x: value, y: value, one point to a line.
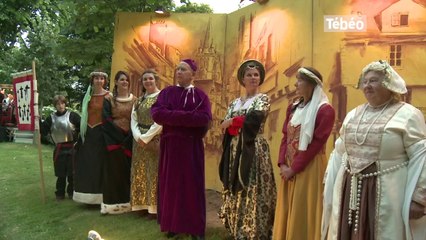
x: 68, y: 39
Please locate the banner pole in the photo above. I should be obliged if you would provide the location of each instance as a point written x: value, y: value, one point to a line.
x: 38, y: 140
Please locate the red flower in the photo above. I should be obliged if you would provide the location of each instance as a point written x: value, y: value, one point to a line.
x: 237, y: 124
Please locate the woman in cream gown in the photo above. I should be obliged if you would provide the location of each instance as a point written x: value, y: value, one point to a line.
x: 376, y: 176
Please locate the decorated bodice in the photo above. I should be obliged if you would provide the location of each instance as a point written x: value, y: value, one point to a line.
x: 121, y: 112
x: 293, y: 135
x: 363, y: 134
x: 95, y: 108
x: 143, y: 112
x: 259, y: 102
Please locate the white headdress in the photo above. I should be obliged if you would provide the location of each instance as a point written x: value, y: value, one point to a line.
x: 391, y: 81
x: 306, y: 116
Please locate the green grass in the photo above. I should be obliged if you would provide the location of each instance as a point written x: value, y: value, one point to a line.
x: 23, y: 215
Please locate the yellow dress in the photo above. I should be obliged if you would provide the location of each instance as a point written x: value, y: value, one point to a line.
x: 299, y: 201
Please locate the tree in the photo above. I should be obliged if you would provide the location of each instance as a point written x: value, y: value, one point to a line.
x: 16, y: 15
x: 68, y: 39
x: 194, y: 8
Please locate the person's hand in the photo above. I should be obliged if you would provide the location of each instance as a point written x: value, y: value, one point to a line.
x: 286, y: 172
x: 141, y: 143
x: 416, y: 210
x: 226, y: 123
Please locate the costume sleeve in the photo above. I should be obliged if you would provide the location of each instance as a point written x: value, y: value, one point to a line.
x: 283, y: 146
x: 419, y: 194
x: 199, y: 117
x: 323, y: 126
x: 154, y: 130
x: 415, y: 142
x: 229, y: 110
x: 263, y: 104
x: 134, y: 124
x: 75, y: 120
x: 46, y: 125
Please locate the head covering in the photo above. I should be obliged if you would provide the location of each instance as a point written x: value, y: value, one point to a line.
x: 251, y: 63
x: 306, y: 116
x: 98, y: 73
x: 192, y: 64
x: 85, y: 112
x: 392, y: 81
x: 310, y: 75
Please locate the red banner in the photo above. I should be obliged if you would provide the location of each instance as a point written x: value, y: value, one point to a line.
x: 23, y: 87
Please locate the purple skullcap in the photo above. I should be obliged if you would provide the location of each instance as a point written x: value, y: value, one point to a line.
x: 191, y: 63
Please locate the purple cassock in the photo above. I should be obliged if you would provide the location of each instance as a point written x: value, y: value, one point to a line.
x: 185, y: 114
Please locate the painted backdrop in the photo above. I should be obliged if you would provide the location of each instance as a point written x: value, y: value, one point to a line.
x: 284, y: 35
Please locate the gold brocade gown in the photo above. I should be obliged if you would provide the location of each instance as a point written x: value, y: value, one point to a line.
x: 249, y: 213
x: 144, y: 171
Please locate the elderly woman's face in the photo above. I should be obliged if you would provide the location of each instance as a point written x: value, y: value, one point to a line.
x: 184, y: 74
x: 251, y: 78
x: 374, y: 91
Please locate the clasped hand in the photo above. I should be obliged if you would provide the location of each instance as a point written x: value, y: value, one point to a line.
x: 226, y: 123
x: 286, y: 172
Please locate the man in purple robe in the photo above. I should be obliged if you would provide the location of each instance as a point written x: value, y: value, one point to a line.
x: 185, y: 114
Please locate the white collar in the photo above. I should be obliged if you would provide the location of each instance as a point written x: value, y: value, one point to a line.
x: 125, y: 99
x: 151, y: 94
x: 190, y: 86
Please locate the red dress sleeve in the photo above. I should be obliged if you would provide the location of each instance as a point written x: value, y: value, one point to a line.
x: 323, y: 126
x: 283, y: 146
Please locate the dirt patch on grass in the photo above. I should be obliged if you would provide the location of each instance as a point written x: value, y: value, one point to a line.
x: 214, y: 201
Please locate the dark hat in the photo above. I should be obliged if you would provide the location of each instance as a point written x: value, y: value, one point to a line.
x: 251, y: 63
x: 192, y: 64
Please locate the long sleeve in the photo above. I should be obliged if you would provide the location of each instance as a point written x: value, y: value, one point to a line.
x: 419, y: 194
x: 414, y: 138
x: 163, y: 114
x: 46, y: 125
x: 283, y: 146
x: 323, y: 126
x: 154, y: 130
x: 75, y: 120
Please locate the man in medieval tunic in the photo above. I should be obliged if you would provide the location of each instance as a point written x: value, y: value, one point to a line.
x: 184, y: 111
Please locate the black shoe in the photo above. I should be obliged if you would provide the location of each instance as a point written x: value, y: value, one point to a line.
x: 60, y: 197
x: 170, y: 234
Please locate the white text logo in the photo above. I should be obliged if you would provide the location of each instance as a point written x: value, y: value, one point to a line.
x: 345, y: 23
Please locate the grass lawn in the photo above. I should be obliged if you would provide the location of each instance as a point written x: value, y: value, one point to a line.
x: 23, y: 215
